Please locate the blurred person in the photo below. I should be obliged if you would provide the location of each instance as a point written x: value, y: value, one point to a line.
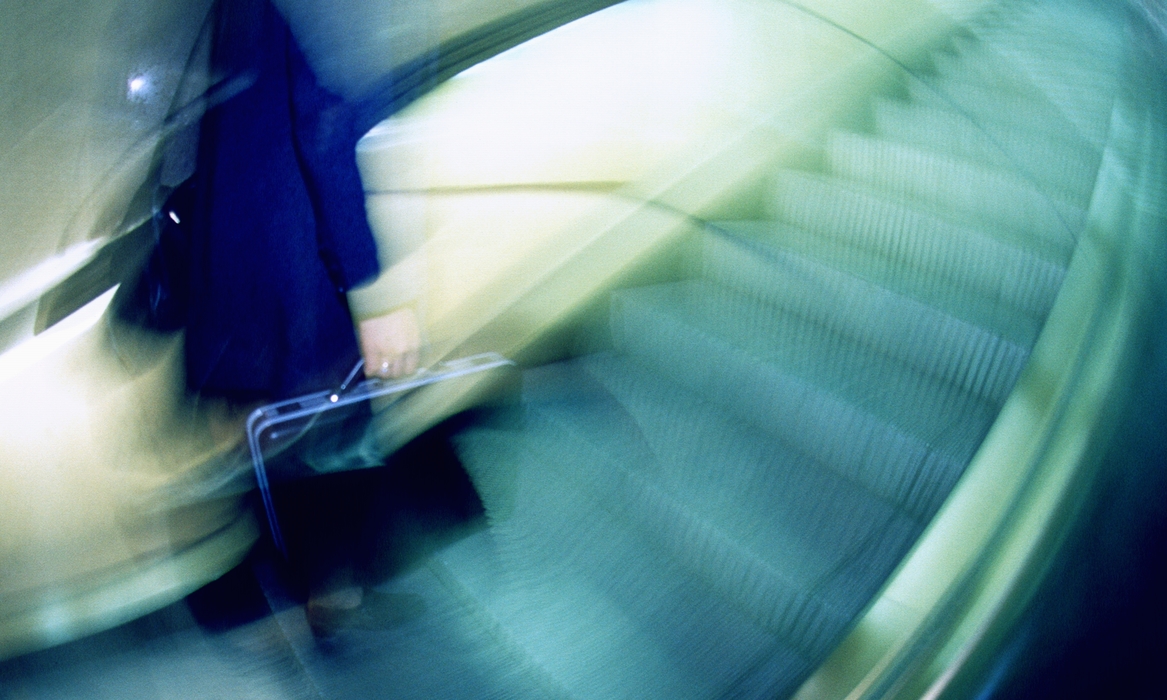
x: 274, y: 235
x: 279, y: 232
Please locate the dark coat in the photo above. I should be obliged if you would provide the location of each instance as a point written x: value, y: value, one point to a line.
x: 279, y: 231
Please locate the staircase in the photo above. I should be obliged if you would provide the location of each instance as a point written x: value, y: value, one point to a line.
x: 703, y: 510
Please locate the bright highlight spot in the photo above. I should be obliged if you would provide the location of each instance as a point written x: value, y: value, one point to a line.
x: 138, y: 87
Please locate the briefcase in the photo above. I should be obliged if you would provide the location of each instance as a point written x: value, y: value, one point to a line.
x: 329, y: 426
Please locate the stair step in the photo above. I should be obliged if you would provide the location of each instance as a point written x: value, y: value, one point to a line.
x: 943, y: 416
x: 989, y: 109
x: 1077, y: 63
x: 771, y: 590
x: 803, y: 521
x: 737, y: 477
x: 872, y: 265
x: 1074, y: 72
x: 972, y: 62
x: 721, y: 516
x: 832, y: 431
x: 704, y: 511
x: 1022, y: 215
x: 590, y: 600
x: 920, y: 254
x: 1063, y: 168
x: 769, y: 498
x: 876, y: 319
x: 463, y: 570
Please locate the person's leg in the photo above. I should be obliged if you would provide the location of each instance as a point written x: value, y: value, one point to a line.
x: 350, y: 532
x: 321, y: 519
x: 422, y: 501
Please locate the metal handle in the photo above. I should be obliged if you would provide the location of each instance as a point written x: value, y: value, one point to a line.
x: 344, y: 386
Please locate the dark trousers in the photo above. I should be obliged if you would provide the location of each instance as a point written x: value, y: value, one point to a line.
x: 377, y: 522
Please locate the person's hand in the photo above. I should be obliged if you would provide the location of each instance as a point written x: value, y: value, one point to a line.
x: 390, y: 344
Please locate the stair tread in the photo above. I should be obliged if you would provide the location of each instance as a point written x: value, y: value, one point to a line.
x: 703, y: 511
x: 919, y: 404
x: 987, y: 107
x: 766, y: 496
x: 1022, y: 214
x: 952, y: 266
x: 1075, y: 68
x: 770, y: 587
x: 604, y: 612
x: 972, y: 62
x: 828, y: 428
x: 1053, y: 163
x: 921, y: 336
x: 766, y: 486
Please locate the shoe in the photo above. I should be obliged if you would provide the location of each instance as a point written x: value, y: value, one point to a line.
x: 376, y: 611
